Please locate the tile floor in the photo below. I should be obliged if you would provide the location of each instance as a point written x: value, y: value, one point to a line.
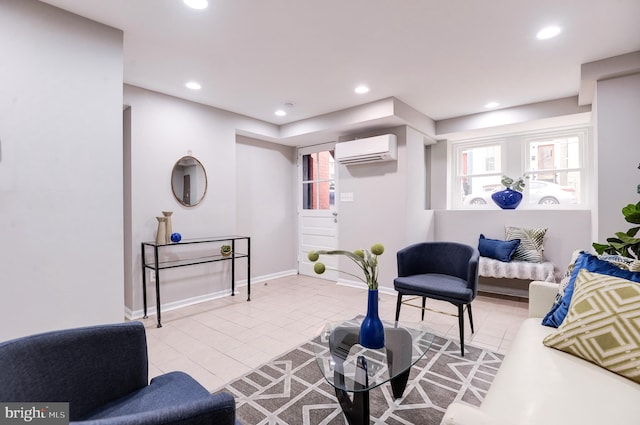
x: 220, y: 340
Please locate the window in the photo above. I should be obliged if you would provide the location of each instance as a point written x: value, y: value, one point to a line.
x: 553, y: 163
x: 555, y: 168
x: 479, y: 170
x: 318, y: 181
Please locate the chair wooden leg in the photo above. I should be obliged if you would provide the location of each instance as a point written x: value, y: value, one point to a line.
x: 461, y: 325
x: 424, y: 303
x: 470, y: 316
x: 398, y: 304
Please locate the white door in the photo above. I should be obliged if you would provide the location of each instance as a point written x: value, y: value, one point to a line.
x: 317, y: 213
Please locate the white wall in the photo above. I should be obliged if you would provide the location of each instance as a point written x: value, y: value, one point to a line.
x: 567, y: 230
x: 165, y: 128
x: 127, y: 205
x: 266, y: 196
x: 60, y: 170
x: 389, y: 204
x: 439, y: 172
x: 618, y: 151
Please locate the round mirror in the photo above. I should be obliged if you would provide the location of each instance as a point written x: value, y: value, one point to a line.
x: 188, y: 181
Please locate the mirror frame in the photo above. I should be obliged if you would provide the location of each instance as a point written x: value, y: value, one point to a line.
x: 197, y: 163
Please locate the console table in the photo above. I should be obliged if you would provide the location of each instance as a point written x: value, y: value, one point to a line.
x: 212, y: 247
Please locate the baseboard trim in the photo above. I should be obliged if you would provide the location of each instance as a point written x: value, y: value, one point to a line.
x: 151, y: 309
x: 360, y: 285
x: 267, y: 277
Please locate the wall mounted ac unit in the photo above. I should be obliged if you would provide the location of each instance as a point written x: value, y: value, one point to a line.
x: 371, y: 149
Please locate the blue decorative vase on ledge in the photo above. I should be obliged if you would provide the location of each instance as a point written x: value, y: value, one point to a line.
x: 371, y: 329
x: 507, y: 199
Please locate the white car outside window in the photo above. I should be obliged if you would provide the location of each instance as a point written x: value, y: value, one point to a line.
x: 540, y: 192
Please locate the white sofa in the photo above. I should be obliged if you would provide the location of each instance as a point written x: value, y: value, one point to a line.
x: 538, y: 385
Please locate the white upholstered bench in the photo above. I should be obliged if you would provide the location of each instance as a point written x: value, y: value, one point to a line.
x: 488, y: 267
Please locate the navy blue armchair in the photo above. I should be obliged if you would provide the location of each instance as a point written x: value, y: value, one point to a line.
x: 446, y: 271
x: 102, y: 371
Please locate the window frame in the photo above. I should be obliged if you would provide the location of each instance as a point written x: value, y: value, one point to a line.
x: 515, y: 162
x: 458, y: 147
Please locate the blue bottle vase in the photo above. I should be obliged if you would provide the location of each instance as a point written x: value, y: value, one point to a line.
x: 507, y: 199
x: 371, y: 329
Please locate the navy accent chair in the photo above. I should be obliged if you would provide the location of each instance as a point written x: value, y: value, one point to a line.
x: 446, y: 271
x: 102, y: 371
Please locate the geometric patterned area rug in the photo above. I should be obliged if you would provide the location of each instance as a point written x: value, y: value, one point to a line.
x: 290, y: 390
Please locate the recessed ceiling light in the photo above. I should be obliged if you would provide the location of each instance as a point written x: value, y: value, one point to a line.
x: 196, y: 4
x: 283, y: 112
x: 193, y: 85
x: 492, y: 105
x: 548, y: 32
x: 361, y: 89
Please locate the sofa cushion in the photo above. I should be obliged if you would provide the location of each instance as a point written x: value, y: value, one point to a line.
x: 497, y: 249
x: 531, y: 243
x: 490, y: 267
x: 435, y: 285
x: 540, y: 385
x: 603, y: 324
x: 593, y: 264
x: 153, y: 404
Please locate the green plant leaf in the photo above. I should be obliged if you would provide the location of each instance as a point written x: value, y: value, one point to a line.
x: 621, y: 247
x: 506, y: 181
x: 611, y: 250
x: 633, y: 231
x: 625, y: 243
x: 626, y: 239
x: 600, y: 248
x: 632, y: 213
x: 616, y: 243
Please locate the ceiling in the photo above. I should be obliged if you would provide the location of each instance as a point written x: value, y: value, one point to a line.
x: 443, y: 58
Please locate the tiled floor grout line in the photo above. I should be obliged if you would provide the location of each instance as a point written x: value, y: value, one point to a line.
x: 222, y: 339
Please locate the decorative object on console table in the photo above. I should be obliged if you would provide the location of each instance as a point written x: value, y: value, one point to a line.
x: 170, y: 261
x: 176, y: 237
x: 225, y: 250
x: 161, y: 233
x: 168, y: 230
x: 511, y: 196
x: 371, y: 329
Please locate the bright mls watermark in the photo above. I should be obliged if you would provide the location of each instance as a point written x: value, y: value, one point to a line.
x: 34, y: 413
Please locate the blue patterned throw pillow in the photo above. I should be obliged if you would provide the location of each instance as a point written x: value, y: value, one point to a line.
x: 497, y: 249
x: 592, y: 264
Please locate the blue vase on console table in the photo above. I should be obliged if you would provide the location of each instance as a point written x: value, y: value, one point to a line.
x: 507, y: 199
x: 372, y: 329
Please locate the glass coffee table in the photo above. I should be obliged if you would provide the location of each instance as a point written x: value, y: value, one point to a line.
x: 351, y: 368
